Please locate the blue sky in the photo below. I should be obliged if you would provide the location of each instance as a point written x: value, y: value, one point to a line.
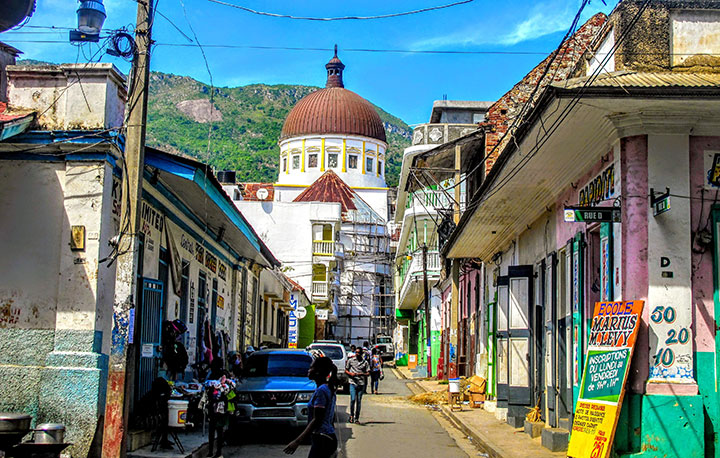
x: 402, y: 84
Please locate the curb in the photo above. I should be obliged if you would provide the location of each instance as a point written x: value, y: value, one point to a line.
x: 482, y: 443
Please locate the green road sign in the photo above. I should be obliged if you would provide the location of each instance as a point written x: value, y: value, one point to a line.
x: 592, y: 214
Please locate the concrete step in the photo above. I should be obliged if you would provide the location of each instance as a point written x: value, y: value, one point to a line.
x: 564, y: 423
x: 534, y: 428
x: 555, y: 439
x: 515, y: 421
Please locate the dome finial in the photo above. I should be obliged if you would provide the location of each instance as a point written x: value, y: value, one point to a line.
x: 334, y: 71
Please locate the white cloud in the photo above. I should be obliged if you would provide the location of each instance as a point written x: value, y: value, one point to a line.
x: 543, y: 19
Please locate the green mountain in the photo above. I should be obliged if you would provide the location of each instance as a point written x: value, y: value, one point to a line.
x: 243, y: 124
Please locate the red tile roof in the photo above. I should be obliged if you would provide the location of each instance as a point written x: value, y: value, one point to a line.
x: 8, y: 114
x: 250, y: 191
x: 331, y: 188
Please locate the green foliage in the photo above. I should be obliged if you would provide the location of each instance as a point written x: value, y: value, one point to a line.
x: 246, y: 137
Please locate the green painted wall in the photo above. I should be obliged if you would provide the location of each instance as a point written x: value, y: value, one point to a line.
x: 306, y: 333
x: 661, y: 426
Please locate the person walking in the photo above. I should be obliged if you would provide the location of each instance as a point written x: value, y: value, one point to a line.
x: 321, y: 411
x: 376, y: 372
x: 357, y: 369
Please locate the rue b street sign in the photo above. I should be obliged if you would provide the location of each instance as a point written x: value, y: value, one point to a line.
x: 592, y: 214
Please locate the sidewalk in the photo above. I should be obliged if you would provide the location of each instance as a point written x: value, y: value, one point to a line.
x: 491, y: 436
x: 195, y: 444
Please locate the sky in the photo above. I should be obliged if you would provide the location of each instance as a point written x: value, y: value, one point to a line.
x: 403, y: 84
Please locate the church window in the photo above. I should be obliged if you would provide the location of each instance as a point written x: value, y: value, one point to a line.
x: 332, y: 160
x: 312, y: 160
x: 296, y: 161
x: 380, y: 168
x: 369, y: 164
x: 353, y: 161
x: 284, y: 165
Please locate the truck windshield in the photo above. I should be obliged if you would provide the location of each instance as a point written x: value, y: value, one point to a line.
x: 384, y: 340
x: 277, y: 365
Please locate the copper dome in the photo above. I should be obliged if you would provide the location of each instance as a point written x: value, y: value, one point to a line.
x: 333, y: 110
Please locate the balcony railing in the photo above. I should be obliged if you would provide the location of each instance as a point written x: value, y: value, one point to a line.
x: 413, y: 268
x: 320, y: 290
x: 428, y: 200
x: 328, y: 248
x: 439, y: 133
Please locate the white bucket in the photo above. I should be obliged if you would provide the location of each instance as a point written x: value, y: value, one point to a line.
x: 454, y: 385
x: 177, y: 413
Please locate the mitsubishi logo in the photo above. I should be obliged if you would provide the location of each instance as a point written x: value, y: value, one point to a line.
x: 273, y: 397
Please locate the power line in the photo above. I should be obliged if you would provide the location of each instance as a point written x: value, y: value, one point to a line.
x: 341, y: 18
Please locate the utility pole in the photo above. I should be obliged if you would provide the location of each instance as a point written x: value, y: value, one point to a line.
x: 428, y: 319
x: 121, y: 370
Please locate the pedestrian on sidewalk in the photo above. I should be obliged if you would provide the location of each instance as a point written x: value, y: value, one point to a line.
x: 218, y: 388
x: 376, y: 372
x: 321, y: 411
x: 357, y: 369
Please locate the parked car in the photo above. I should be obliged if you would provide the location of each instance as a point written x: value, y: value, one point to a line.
x: 385, y: 347
x: 335, y: 351
x: 275, y: 388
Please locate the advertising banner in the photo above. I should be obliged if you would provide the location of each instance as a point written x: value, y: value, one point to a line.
x: 613, y: 331
x: 293, y: 328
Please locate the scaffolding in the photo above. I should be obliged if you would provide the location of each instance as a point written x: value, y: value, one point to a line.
x: 365, y: 300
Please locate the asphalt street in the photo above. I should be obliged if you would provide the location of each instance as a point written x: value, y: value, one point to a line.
x: 390, y: 426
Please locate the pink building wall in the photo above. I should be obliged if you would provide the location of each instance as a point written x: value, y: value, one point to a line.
x: 702, y: 264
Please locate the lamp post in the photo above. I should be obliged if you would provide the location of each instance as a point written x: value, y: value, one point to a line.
x: 91, y: 17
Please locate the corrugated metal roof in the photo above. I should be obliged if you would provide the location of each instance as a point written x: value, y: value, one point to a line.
x: 331, y: 188
x: 626, y: 79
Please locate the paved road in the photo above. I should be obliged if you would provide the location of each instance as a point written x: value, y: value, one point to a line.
x: 390, y: 427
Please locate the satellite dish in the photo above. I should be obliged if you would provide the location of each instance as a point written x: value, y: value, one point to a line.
x: 14, y: 12
x: 262, y: 194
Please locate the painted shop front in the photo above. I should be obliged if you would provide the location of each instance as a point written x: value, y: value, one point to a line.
x: 609, y: 208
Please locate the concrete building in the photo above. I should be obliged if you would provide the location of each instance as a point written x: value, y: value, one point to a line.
x: 419, y: 215
x: 636, y: 116
x: 331, y: 190
x: 200, y: 261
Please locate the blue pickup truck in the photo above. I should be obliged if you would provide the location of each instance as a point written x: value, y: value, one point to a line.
x: 275, y: 388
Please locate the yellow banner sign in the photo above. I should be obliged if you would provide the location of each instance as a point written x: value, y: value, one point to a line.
x: 613, y: 331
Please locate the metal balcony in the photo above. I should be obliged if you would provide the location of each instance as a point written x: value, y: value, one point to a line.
x: 411, y: 275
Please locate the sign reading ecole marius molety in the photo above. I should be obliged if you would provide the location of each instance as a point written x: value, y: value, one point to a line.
x: 613, y: 331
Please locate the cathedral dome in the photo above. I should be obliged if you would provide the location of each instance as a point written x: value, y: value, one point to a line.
x: 333, y: 110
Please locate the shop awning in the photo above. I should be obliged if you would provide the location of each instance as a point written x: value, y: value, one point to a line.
x: 198, y: 191
x: 531, y: 173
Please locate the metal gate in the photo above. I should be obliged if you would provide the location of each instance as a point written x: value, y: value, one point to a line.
x: 150, y: 325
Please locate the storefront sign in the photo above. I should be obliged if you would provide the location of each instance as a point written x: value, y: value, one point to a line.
x: 222, y: 270
x: 714, y: 172
x: 592, y: 214
x: 220, y: 302
x: 321, y: 314
x: 293, y: 327
x: 660, y: 202
x: 199, y: 253
x: 613, y: 331
x: 599, y: 189
x: 211, y: 262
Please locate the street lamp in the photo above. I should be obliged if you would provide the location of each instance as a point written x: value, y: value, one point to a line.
x: 91, y: 16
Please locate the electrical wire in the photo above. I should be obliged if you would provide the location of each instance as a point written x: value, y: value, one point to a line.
x: 563, y: 115
x: 341, y: 18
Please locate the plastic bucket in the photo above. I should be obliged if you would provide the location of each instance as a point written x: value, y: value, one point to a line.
x: 177, y: 413
x: 454, y: 385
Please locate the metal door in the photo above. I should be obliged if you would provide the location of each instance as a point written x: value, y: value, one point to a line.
x: 551, y: 338
x: 564, y: 328
x: 520, y: 345
x: 150, y: 325
x: 578, y: 244
x: 502, y: 337
x: 538, y: 341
